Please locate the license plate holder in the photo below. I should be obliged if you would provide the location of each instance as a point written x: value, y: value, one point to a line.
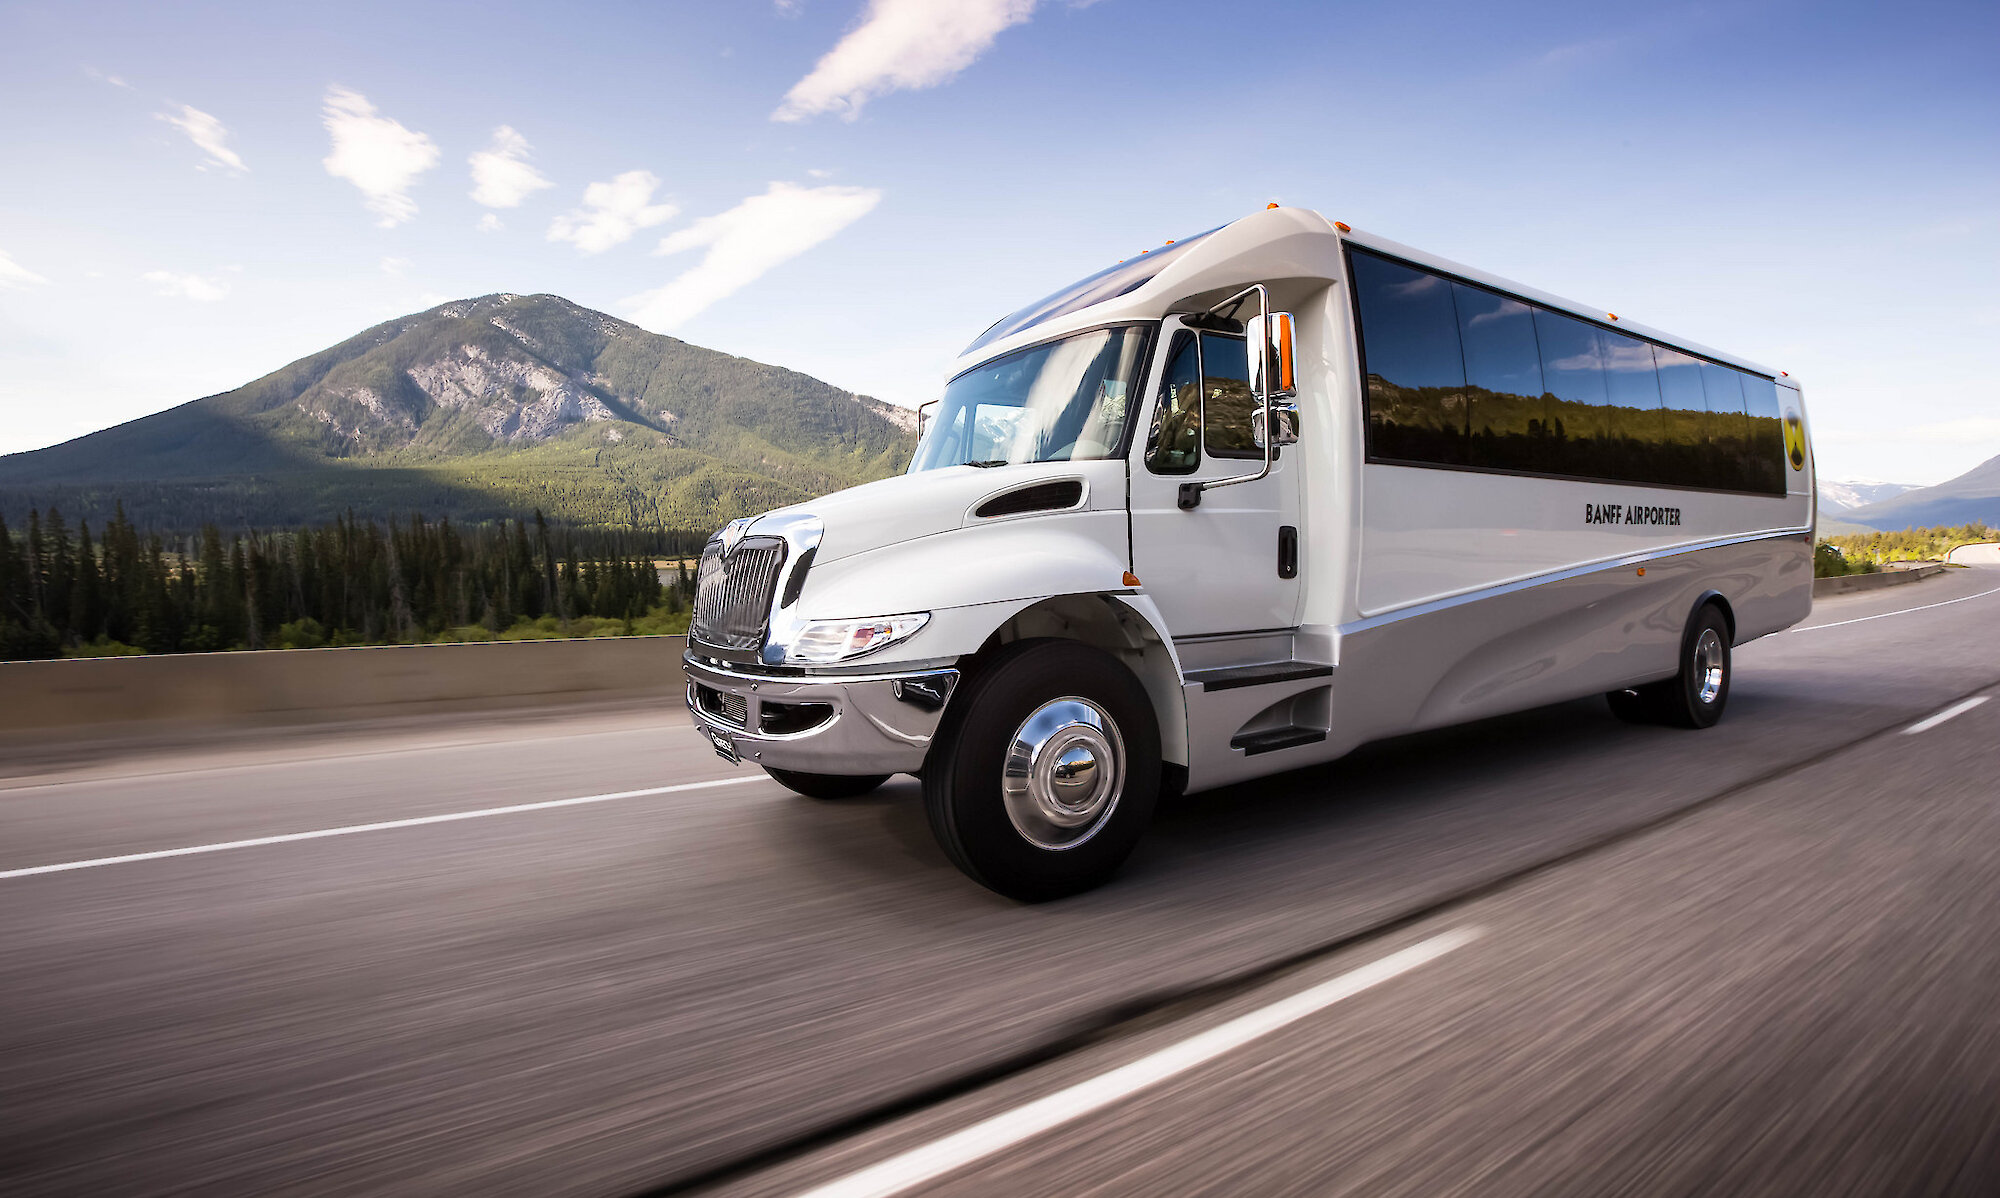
x: 724, y: 743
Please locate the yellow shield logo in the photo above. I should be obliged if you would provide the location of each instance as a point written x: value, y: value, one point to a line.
x: 1795, y: 439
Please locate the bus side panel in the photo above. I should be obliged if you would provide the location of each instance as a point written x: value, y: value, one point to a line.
x: 1544, y: 642
x: 1429, y: 534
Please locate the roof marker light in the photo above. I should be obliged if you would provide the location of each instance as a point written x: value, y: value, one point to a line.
x: 1170, y: 243
x: 1785, y: 373
x: 1612, y: 315
x: 1271, y: 205
x: 1342, y: 226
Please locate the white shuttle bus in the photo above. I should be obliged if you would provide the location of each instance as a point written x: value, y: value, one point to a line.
x: 1236, y: 506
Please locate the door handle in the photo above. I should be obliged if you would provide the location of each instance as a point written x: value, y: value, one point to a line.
x: 1288, y: 552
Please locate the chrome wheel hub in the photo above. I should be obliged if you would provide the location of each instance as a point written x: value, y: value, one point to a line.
x: 1708, y: 666
x: 1064, y: 771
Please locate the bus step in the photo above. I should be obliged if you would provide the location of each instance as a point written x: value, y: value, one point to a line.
x: 1273, y: 739
x: 1264, y: 674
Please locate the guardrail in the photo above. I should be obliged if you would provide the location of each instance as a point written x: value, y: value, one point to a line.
x: 290, y: 686
x: 1822, y: 587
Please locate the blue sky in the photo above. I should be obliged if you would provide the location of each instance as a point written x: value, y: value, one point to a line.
x: 195, y: 194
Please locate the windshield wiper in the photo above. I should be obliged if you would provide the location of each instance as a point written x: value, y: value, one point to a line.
x: 990, y: 465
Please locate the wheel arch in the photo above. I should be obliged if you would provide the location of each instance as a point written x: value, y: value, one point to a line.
x: 1721, y: 603
x: 1126, y: 626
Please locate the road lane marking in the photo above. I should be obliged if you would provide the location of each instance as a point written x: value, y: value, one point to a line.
x: 381, y: 826
x: 1902, y: 612
x: 1956, y: 709
x: 983, y: 1139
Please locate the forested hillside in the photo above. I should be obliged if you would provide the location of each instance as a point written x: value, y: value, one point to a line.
x: 480, y: 410
x: 349, y: 582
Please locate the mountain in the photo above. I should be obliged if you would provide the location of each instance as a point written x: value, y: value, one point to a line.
x: 1972, y: 496
x: 479, y: 409
x: 1838, y: 496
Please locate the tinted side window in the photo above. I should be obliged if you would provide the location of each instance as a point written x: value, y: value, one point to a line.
x: 1766, y: 460
x: 1409, y: 349
x: 1632, y: 392
x: 1503, y: 378
x: 1225, y: 382
x: 1684, y: 461
x: 1580, y: 426
x: 1174, y: 444
x: 1728, y: 431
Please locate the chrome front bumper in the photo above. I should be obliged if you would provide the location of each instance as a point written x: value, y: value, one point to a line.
x: 820, y: 724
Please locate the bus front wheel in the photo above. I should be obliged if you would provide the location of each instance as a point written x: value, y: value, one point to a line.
x: 826, y: 786
x: 1045, y: 772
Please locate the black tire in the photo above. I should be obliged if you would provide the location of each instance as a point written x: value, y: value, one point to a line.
x: 968, y: 807
x: 1679, y: 701
x: 826, y: 786
x: 1692, y: 699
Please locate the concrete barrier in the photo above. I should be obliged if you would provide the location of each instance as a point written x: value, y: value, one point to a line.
x: 1822, y: 587
x: 294, y: 686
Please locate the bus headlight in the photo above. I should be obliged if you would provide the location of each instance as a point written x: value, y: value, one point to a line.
x: 823, y: 642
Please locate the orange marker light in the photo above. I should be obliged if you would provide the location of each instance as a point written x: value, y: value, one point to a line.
x: 1131, y: 579
x: 1170, y: 243
x: 1342, y: 226
x: 1612, y: 315
x: 1642, y: 571
x: 1270, y: 206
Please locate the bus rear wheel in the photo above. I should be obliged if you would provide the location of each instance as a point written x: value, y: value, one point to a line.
x: 1696, y: 695
x: 1045, y: 773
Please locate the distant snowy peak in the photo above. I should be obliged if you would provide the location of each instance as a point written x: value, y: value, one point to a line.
x: 1844, y: 495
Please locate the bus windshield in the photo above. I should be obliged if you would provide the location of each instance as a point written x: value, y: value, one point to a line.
x: 1068, y: 400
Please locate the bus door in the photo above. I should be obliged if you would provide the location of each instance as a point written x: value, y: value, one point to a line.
x: 1231, y: 563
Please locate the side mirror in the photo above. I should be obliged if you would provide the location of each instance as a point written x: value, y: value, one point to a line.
x: 1272, y: 373
x: 1282, y: 419
x: 1273, y: 379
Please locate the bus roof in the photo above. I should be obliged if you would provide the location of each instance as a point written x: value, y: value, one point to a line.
x: 1291, y: 243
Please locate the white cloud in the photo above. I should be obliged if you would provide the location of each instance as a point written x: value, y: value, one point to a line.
x: 612, y: 212
x: 376, y: 154
x: 501, y: 176
x: 395, y: 267
x: 113, y: 80
x: 489, y: 223
x: 745, y: 242
x: 13, y: 275
x: 208, y: 135
x: 900, y: 44
x: 194, y: 287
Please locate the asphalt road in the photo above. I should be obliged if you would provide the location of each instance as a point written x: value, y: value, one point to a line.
x: 1755, y: 959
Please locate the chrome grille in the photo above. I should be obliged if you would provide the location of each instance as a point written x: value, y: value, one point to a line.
x: 732, y: 594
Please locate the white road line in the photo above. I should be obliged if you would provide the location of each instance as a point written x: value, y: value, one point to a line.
x: 383, y: 826
x: 1903, y: 612
x: 1956, y: 709
x: 983, y: 1139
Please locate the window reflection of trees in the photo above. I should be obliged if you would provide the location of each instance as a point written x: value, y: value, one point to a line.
x: 1458, y: 374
